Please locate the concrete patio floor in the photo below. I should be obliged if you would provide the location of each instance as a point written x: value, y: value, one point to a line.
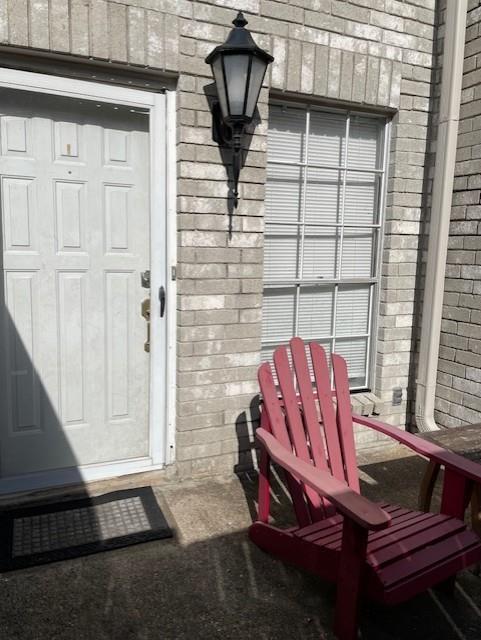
x: 212, y: 583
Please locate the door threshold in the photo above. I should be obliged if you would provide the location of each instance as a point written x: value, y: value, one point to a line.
x: 28, y: 486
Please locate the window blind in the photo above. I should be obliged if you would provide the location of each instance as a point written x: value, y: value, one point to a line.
x: 325, y: 180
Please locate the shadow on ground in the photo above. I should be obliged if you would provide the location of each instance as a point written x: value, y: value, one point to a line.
x: 212, y: 583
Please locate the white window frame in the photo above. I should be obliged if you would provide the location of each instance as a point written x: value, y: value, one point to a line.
x: 374, y: 282
x: 163, y: 257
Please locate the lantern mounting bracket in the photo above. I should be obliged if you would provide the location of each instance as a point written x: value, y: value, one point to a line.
x: 221, y: 132
x: 230, y: 136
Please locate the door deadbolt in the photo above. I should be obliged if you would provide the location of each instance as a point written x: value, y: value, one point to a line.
x: 145, y: 279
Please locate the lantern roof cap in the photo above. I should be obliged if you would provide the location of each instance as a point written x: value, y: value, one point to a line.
x: 239, y: 40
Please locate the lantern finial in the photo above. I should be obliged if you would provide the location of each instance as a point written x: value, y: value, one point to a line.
x: 240, y: 21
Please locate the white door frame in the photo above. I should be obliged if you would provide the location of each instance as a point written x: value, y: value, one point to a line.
x: 163, y: 259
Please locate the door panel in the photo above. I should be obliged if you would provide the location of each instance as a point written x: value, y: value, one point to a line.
x: 74, y: 197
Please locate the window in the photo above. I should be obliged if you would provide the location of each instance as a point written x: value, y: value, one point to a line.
x: 324, y: 201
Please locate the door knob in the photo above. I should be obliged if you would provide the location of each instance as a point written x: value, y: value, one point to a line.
x: 145, y: 309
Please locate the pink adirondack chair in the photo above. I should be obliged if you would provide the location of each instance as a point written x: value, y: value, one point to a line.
x: 383, y: 552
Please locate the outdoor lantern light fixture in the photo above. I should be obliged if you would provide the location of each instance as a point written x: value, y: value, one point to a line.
x: 238, y: 67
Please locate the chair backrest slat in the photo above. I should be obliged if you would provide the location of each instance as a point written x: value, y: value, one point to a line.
x: 344, y: 420
x: 310, y: 414
x: 311, y: 420
x: 294, y: 422
x: 328, y: 414
x: 277, y: 425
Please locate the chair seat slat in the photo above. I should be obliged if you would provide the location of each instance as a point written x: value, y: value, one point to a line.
x: 394, y: 543
x: 315, y: 527
x: 427, y: 557
x: 396, y: 533
x: 404, y: 520
x: 400, y: 518
x: 414, y: 539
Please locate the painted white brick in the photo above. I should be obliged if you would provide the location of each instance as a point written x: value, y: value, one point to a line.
x: 79, y: 27
x: 307, y: 68
x: 118, y: 32
x: 155, y: 44
x: 59, y: 25
x: 18, y: 22
x: 3, y: 22
x: 39, y: 23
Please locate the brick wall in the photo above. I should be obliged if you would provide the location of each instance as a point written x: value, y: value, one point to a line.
x: 377, y: 53
x: 459, y: 371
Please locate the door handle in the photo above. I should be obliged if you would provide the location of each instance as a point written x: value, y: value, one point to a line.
x: 162, y: 301
x: 145, y: 311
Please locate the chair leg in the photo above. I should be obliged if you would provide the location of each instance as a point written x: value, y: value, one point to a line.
x: 476, y: 518
x: 476, y: 509
x: 264, y: 488
x: 456, y: 495
x: 427, y: 485
x: 353, y: 555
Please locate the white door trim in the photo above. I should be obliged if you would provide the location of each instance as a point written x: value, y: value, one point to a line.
x: 43, y: 83
x: 162, y: 273
x: 163, y: 260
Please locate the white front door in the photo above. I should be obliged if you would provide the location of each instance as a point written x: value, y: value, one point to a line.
x: 75, y: 212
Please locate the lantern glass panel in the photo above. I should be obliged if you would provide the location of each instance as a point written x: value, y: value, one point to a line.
x: 258, y: 71
x: 220, y: 84
x: 236, y: 70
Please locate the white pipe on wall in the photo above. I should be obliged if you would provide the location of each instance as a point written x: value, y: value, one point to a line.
x: 452, y: 75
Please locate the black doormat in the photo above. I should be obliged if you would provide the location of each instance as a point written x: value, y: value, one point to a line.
x: 52, y: 532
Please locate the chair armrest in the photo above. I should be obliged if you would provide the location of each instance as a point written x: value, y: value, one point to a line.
x: 347, y: 501
x: 434, y: 452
